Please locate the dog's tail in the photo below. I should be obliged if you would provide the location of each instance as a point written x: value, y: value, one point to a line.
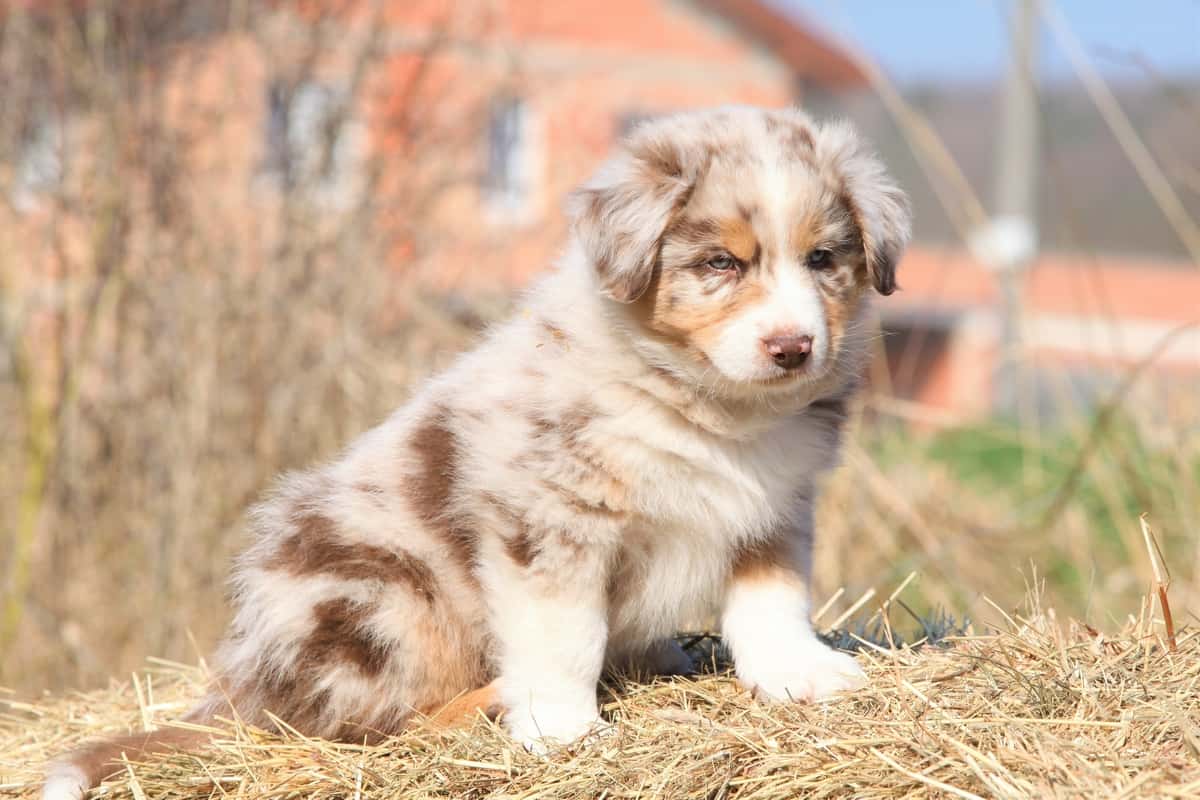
x: 71, y: 776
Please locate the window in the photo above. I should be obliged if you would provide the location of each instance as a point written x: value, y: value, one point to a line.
x: 508, y: 183
x: 39, y: 166
x: 310, y: 138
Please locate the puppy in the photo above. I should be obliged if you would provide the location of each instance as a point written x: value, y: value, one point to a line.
x: 638, y: 447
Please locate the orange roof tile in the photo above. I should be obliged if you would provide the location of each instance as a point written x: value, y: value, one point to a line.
x: 952, y: 280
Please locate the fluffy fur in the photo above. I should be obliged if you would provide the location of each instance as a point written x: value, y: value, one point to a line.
x: 631, y: 451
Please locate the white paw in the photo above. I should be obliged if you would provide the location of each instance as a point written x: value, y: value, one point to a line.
x: 817, y: 674
x: 64, y: 782
x: 542, y: 728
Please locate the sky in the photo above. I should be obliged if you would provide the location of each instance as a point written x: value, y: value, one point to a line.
x: 966, y: 40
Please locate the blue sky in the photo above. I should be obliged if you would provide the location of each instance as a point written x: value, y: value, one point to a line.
x: 966, y: 40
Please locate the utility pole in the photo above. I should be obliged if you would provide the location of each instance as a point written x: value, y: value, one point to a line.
x: 1008, y: 243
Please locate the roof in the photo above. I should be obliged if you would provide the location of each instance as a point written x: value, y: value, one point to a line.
x: 933, y: 279
x: 807, y: 53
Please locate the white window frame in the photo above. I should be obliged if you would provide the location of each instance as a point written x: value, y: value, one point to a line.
x: 512, y: 168
x: 40, y: 168
x: 294, y: 141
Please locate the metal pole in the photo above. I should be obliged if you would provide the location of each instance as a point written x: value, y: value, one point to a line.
x: 1010, y: 243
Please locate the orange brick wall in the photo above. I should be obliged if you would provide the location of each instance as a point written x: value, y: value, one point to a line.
x: 580, y: 68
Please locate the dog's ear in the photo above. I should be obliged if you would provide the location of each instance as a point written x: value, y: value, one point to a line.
x: 879, y: 208
x: 619, y: 217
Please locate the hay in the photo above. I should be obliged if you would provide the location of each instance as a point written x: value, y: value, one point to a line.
x: 1028, y: 708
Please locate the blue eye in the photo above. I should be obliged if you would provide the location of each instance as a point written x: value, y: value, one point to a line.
x: 722, y: 262
x: 820, y: 259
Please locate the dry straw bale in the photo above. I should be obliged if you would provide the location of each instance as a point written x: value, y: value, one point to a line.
x: 1028, y: 708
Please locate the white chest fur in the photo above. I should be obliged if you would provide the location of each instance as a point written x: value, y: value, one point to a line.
x: 700, y: 497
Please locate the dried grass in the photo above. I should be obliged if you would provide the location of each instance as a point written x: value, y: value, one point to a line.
x: 1027, y: 708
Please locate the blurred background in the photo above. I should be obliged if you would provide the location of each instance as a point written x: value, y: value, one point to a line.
x: 234, y: 233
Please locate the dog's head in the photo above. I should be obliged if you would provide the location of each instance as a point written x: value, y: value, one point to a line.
x: 744, y: 240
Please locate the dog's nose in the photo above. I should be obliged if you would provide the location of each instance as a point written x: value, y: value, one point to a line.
x: 789, y: 351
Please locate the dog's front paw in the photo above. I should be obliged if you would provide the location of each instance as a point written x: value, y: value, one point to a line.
x: 817, y: 674
x: 546, y: 726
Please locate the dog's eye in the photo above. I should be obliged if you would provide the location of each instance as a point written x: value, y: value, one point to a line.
x: 722, y: 262
x: 820, y: 259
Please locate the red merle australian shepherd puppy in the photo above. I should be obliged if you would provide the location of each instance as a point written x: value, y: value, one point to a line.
x: 640, y: 448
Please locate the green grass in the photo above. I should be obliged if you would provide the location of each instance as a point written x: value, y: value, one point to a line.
x: 1103, y: 478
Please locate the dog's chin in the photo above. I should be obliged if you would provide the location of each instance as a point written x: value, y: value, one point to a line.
x: 771, y: 381
x: 711, y: 377
x: 785, y: 382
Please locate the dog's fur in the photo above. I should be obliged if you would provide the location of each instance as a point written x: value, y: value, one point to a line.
x: 623, y: 456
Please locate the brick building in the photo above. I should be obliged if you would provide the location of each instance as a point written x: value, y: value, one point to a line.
x: 458, y: 124
x: 474, y: 118
x: 547, y: 87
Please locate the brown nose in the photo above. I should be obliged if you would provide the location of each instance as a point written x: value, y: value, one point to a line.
x: 789, y: 351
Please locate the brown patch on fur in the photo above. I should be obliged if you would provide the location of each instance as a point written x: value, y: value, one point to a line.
x: 570, y: 467
x: 662, y: 158
x: 806, y: 233
x: 290, y: 690
x: 518, y: 542
x: 542, y: 424
x: 686, y: 303
x: 837, y: 311
x: 609, y: 491
x: 581, y: 506
x: 656, y: 183
x: 555, y: 333
x: 461, y: 660
x: 429, y: 490
x: 800, y: 140
x: 288, y: 696
x: 680, y: 397
x: 738, y: 238
x: 339, y: 636
x: 625, y: 288
x: 315, y: 549
x: 668, y: 377
x: 695, y: 231
x: 877, y: 268
x: 617, y: 262
x: 839, y: 283
x: 589, y: 485
x: 566, y: 541
x: 774, y: 558
x: 574, y: 421
x: 293, y: 698
x: 521, y: 548
x: 463, y: 710
x: 694, y: 324
x: 795, y: 136
x: 474, y: 415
